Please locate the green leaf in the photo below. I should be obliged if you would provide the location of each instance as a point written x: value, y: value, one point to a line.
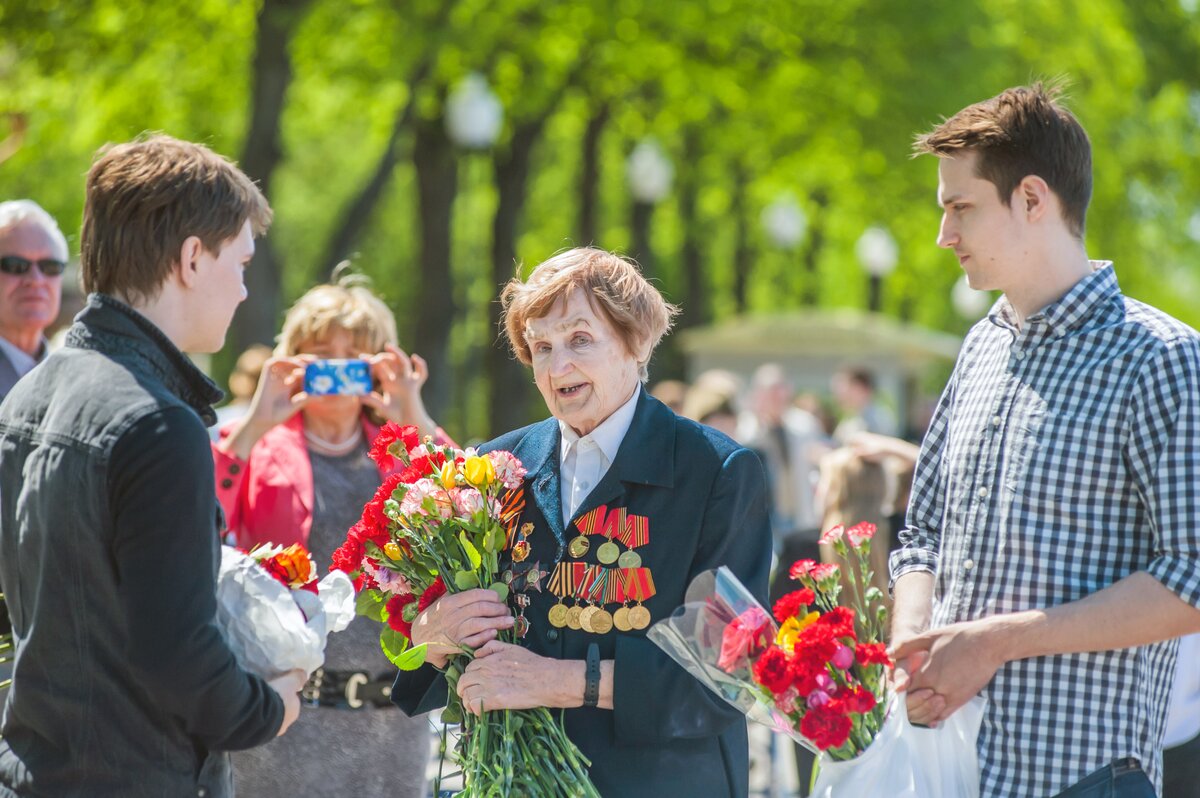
x: 452, y: 713
x: 501, y: 589
x: 469, y: 548
x: 396, y: 648
x: 370, y: 603
x: 465, y: 580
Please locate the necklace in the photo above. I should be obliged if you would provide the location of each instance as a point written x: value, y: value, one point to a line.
x: 329, y: 447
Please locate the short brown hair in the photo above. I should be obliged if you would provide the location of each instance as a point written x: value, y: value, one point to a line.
x: 148, y: 196
x: 1020, y: 132
x: 614, y: 285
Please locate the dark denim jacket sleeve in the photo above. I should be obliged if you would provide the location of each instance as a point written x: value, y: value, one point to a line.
x: 166, y: 553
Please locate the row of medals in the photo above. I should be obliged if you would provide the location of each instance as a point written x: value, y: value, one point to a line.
x: 594, y: 618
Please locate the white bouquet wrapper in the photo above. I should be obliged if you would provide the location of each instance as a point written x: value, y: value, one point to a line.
x: 272, y: 629
x: 906, y: 761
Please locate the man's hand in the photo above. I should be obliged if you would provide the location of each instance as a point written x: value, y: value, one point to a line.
x: 288, y: 686
x: 945, y: 668
x: 471, y: 619
x: 504, y: 676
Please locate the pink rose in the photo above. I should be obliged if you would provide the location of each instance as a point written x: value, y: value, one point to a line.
x: 747, y: 635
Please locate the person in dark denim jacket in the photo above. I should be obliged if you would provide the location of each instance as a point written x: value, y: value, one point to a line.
x: 123, y: 684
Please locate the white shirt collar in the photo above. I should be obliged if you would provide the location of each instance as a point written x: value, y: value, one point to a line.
x: 21, y: 362
x: 608, y: 435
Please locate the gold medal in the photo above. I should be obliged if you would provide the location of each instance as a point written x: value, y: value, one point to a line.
x: 639, y: 617
x: 520, y: 550
x: 558, y: 616
x: 578, y: 546
x: 608, y: 553
x: 573, y: 616
x: 600, y: 622
x: 620, y: 619
x: 585, y: 618
x: 629, y: 559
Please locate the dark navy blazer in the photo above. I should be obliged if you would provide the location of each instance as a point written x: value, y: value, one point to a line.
x: 706, y: 501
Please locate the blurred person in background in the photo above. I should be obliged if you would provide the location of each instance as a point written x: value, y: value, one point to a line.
x: 712, y: 409
x: 858, y: 404
x: 854, y: 490
x: 1181, y: 741
x: 33, y: 254
x: 671, y: 393
x: 791, y: 443
x: 294, y: 469
x: 899, y: 460
x: 109, y: 540
x: 243, y: 381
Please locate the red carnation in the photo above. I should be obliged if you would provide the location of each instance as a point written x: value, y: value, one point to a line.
x: 773, y: 670
x: 395, y: 613
x: 381, y: 447
x: 374, y: 521
x: 789, y: 606
x: 802, y: 568
x: 840, y: 620
x: 825, y: 727
x: 431, y: 594
x: 859, y: 700
x: 872, y: 654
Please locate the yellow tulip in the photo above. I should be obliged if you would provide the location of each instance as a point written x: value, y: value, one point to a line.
x: 447, y: 474
x: 791, y: 629
x: 392, y: 550
x: 479, y: 471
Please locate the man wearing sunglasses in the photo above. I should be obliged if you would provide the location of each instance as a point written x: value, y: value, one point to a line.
x: 33, y: 254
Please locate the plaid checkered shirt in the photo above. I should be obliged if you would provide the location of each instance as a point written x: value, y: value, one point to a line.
x: 1064, y: 455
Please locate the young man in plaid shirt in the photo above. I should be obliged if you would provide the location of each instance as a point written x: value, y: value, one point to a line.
x: 1052, y: 553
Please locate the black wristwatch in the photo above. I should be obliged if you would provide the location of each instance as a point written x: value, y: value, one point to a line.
x: 591, y: 685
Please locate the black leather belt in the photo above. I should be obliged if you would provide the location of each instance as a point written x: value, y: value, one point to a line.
x: 347, y: 690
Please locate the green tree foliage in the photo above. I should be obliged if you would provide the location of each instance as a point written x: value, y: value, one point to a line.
x: 750, y: 98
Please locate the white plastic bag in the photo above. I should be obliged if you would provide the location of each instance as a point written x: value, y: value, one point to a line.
x: 272, y: 629
x: 907, y: 761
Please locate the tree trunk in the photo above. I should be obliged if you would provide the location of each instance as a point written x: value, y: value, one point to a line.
x: 695, y: 279
x: 436, y: 167
x: 640, y: 214
x: 510, y: 398
x: 589, y: 178
x: 811, y: 292
x: 257, y: 319
x: 743, y: 252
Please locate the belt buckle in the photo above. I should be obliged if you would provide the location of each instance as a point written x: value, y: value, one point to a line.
x: 310, y: 693
x: 353, y: 682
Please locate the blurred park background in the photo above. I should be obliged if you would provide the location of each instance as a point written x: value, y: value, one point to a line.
x: 752, y: 155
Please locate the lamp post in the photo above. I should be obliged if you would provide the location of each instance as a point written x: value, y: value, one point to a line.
x: 649, y: 173
x: 877, y: 253
x: 786, y: 226
x: 474, y: 114
x: 967, y: 302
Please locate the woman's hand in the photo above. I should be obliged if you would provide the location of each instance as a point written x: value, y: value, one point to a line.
x: 504, y: 676
x: 400, y: 378
x: 471, y: 619
x: 278, y: 397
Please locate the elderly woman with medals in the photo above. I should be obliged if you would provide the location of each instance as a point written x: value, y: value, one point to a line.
x: 624, y: 503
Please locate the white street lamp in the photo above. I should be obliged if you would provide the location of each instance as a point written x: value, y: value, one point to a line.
x: 969, y: 303
x: 474, y: 114
x: 649, y: 172
x: 1193, y: 228
x: 877, y: 251
x: 785, y: 222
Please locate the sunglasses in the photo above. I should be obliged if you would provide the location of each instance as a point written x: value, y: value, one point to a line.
x: 15, y: 264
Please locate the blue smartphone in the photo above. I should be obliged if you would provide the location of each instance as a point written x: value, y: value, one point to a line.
x: 337, y: 377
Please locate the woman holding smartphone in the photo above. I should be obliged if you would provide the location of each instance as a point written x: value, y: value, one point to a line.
x: 294, y: 469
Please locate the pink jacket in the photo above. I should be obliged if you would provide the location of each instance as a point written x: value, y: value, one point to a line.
x: 269, y: 497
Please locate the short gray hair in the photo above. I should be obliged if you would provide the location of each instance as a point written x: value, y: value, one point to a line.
x: 13, y: 212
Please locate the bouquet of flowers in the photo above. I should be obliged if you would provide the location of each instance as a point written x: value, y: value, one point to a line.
x: 275, y: 615
x: 438, y: 525
x: 817, y: 671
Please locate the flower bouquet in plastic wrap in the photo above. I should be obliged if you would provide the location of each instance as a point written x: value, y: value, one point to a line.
x: 438, y: 525
x: 273, y: 611
x: 818, y: 672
